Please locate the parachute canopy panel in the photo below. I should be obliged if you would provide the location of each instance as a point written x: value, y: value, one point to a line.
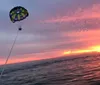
x: 18, y: 13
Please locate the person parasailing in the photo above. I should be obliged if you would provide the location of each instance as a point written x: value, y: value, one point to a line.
x: 16, y: 14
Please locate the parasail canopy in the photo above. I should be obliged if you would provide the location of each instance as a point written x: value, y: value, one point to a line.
x: 18, y: 13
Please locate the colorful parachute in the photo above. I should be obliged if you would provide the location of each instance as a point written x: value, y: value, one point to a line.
x: 18, y: 13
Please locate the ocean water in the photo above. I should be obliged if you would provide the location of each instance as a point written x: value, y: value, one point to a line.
x: 62, y: 71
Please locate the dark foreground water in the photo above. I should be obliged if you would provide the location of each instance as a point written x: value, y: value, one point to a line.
x: 63, y: 71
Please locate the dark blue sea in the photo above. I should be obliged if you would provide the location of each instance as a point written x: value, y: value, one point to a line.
x: 61, y: 71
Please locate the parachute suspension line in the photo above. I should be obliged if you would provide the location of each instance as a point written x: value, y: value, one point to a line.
x: 9, y: 54
x: 19, y: 25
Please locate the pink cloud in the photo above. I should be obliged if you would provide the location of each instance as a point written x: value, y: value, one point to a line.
x: 89, y: 13
x: 33, y: 57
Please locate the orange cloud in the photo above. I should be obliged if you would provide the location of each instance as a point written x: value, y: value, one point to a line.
x: 89, y: 49
x: 89, y: 38
x: 32, y: 57
x: 2, y: 60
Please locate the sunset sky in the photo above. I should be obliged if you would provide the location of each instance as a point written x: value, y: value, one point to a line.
x: 53, y: 28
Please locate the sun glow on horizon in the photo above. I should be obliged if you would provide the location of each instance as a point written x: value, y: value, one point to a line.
x: 91, y: 49
x: 68, y: 52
